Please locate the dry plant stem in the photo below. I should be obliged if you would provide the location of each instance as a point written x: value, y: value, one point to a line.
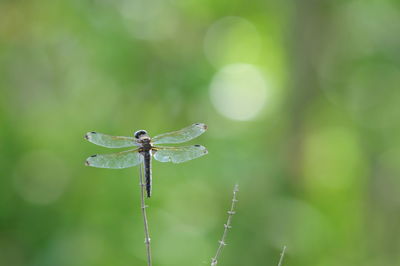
x: 227, y: 226
x: 143, y: 207
x: 282, y: 255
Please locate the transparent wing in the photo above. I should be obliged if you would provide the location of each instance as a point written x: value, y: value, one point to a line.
x: 110, y: 141
x: 182, y: 135
x: 116, y: 160
x: 179, y: 154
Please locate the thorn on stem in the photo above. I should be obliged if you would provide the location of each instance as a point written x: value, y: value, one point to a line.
x: 222, y: 243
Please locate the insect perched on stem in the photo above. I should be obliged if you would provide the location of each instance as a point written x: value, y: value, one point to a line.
x: 145, y: 149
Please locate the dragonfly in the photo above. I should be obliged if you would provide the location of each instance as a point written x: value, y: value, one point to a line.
x: 145, y: 149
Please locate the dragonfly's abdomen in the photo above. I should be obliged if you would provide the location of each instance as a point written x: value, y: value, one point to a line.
x: 147, y: 171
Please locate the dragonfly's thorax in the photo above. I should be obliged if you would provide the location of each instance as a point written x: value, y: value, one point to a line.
x: 146, y: 144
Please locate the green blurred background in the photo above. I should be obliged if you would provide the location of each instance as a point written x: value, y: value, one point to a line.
x: 301, y: 98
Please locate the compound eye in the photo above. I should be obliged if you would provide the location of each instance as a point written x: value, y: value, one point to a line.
x: 139, y: 133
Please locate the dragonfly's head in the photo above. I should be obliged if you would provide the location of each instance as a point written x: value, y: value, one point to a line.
x: 141, y: 134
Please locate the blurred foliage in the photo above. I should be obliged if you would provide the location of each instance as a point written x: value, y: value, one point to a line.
x: 302, y: 103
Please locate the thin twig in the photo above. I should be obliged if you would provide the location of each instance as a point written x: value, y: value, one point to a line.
x: 227, y: 226
x: 146, y: 226
x: 282, y: 255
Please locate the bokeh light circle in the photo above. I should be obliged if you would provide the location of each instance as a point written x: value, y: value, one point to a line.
x: 149, y: 20
x: 239, y: 91
x: 230, y: 40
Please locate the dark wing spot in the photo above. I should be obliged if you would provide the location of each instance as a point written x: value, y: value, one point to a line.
x: 94, y: 155
x: 197, y: 145
x: 87, y: 163
x: 204, y: 126
x: 87, y: 136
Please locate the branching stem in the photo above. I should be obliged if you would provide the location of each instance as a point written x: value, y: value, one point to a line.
x: 143, y: 207
x: 227, y: 226
x: 282, y: 255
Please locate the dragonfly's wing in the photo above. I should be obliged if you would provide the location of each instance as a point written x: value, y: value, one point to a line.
x: 179, y: 154
x: 110, y: 141
x: 182, y: 135
x: 116, y: 160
